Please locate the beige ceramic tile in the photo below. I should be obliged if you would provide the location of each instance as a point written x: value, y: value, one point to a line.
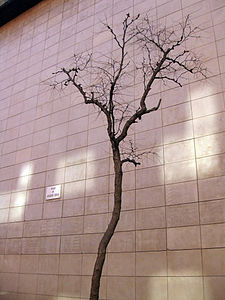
x: 175, y: 96
x: 126, y: 221
x: 59, y: 117
x: 90, y: 243
x: 5, y: 201
x: 39, y: 165
x: 97, y: 168
x: 16, y: 214
x: 182, y: 215
x: 47, y: 284
x: 185, y: 288
x: 4, y: 215
x: 220, y: 47
x: 49, y: 245
x: 209, y: 124
x: 96, y: 204
x: 13, y: 246
x: 212, y: 212
x: 148, y: 240
x: 10, y: 282
x: 184, y: 263
x: 77, y: 140
x: 73, y: 207
x: 213, y: 262
x: 151, y: 288
x: 10, y: 263
x: 98, y: 151
x: 48, y: 264
x: 212, y: 188
x: 27, y: 283
x: 122, y: 242
x: 31, y: 245
x: 32, y: 228
x: 35, y: 196
x: 149, y: 139
x: 180, y: 193
x: 52, y: 210
x: 57, y: 146
x: 151, y: 264
x: 72, y: 225
x: 79, y: 125
x: 150, y: 197
x: 3, y: 230
x: 76, y: 156
x: 187, y: 171
x: 24, y: 296
x: 88, y: 261
x: 213, y: 235
x: 70, y: 264
x: 121, y: 289
x: 57, y: 160
x: 149, y: 177
x: 24, y: 142
x: 29, y: 263
x: 37, y: 181
x: 54, y: 177
x: 15, y: 230
x: 39, y: 150
x: 69, y: 286
x: 219, y: 31
x: 178, y: 132
x: 168, y: 8
x: 176, y: 114
x: 18, y: 199
x: 74, y: 190
x: 179, y: 151
x: 75, y: 173
x: 128, y: 181
x: 97, y: 135
x: 97, y: 186
x: 211, y: 166
x: 33, y: 212
x: 121, y: 264
x: 50, y: 227
x: 183, y: 238
x: 95, y: 223
x: 150, y: 218
x: 71, y: 244
x: 149, y: 122
x: 207, y: 105
x: 214, y: 288
x: 210, y: 145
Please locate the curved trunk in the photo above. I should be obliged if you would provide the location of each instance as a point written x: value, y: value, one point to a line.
x: 96, y: 277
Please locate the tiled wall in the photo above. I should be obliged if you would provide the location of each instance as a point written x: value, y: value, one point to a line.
x: 170, y: 239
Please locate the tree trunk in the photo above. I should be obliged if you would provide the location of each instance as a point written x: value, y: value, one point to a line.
x: 96, y: 277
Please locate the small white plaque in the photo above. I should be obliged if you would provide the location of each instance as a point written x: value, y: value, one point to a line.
x: 53, y: 192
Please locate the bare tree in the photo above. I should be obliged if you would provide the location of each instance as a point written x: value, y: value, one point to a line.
x: 160, y: 56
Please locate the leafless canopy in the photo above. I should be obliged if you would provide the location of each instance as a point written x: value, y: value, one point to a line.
x: 160, y: 55
x: 163, y: 57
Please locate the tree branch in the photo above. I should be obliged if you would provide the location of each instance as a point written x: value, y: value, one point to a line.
x: 129, y: 160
